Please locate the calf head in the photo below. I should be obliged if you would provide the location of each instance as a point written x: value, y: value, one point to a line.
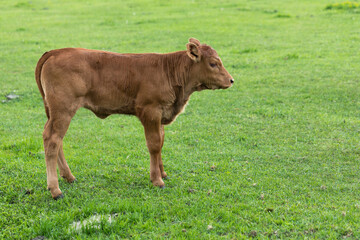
x: 207, y: 72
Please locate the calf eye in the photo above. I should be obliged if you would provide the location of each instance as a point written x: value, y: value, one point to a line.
x: 213, y: 65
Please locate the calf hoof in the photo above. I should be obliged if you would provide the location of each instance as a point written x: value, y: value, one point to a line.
x: 164, y: 175
x: 69, y: 179
x: 59, y: 197
x: 72, y: 181
x: 56, y: 194
x: 158, y: 183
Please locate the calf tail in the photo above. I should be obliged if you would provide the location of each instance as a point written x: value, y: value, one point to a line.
x: 38, y: 69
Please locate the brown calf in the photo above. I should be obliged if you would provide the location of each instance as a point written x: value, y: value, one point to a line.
x: 153, y: 87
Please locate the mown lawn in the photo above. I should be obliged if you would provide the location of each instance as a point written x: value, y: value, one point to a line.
x: 275, y: 156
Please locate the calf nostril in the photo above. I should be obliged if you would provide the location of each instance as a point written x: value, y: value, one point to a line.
x: 231, y: 81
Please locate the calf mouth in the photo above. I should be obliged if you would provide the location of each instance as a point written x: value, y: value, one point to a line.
x: 225, y: 87
x: 219, y: 87
x: 211, y: 87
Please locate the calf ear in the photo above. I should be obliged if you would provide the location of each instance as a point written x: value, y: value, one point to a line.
x: 193, y: 51
x: 195, y: 41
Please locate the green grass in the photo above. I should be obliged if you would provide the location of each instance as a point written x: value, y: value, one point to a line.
x: 279, y: 150
x: 348, y: 5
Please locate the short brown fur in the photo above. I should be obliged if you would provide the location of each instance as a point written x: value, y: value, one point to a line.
x: 153, y: 87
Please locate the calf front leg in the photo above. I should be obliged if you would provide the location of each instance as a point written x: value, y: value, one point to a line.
x: 151, y: 120
x: 161, y: 165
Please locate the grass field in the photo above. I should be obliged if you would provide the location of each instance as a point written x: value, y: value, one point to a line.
x: 275, y: 156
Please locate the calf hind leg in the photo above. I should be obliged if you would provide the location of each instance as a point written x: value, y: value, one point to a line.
x: 64, y: 167
x: 54, y: 132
